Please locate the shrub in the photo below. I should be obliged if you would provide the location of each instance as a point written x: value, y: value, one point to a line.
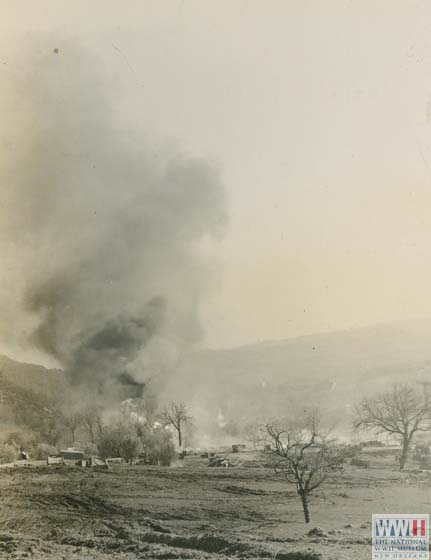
x: 128, y: 440
x: 8, y: 453
x: 41, y: 451
x: 158, y: 446
x: 119, y: 440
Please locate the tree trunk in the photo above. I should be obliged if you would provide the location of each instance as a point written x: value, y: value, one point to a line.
x: 404, y: 452
x: 304, y: 500
x: 99, y: 427
x: 180, y: 437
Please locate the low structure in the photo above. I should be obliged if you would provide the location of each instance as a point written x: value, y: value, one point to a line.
x: 219, y: 462
x: 97, y: 462
x: 55, y: 460
x: 72, y: 454
x: 115, y: 461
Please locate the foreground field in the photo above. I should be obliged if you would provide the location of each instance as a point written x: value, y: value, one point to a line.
x: 192, y: 511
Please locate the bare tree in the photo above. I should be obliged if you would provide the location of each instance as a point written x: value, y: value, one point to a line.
x: 177, y: 416
x: 72, y: 422
x: 304, y: 455
x: 252, y: 433
x: 402, y: 411
x: 92, y: 421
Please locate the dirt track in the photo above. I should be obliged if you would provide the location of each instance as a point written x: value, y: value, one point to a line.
x: 192, y: 512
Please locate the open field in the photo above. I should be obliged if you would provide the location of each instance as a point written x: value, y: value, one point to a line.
x: 192, y: 511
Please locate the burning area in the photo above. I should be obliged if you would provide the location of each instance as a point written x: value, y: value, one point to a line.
x: 105, y: 275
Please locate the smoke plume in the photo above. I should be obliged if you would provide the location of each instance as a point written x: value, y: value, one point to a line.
x: 100, y: 230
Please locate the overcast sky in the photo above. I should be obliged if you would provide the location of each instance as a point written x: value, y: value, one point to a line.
x: 319, y: 116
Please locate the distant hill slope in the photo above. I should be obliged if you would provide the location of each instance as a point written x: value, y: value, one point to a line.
x: 331, y: 371
x: 268, y: 379
x: 23, y: 388
x: 32, y: 377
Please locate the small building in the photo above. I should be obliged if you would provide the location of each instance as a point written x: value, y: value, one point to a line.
x: 115, y: 461
x: 98, y: 462
x: 72, y: 454
x: 54, y: 460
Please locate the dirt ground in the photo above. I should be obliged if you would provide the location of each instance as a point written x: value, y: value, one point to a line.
x: 192, y: 511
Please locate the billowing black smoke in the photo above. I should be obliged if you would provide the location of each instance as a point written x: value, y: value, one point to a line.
x: 105, y: 356
x: 101, y: 230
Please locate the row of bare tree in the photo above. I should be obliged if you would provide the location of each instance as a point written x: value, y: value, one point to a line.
x: 175, y: 415
x: 402, y: 411
x: 306, y: 455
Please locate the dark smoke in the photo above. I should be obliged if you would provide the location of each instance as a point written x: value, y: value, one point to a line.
x: 105, y: 273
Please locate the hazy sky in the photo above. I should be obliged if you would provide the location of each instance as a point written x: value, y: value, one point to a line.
x: 319, y: 114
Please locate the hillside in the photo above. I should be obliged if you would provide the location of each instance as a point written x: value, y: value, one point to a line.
x: 237, y: 385
x: 331, y: 371
x: 31, y: 376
